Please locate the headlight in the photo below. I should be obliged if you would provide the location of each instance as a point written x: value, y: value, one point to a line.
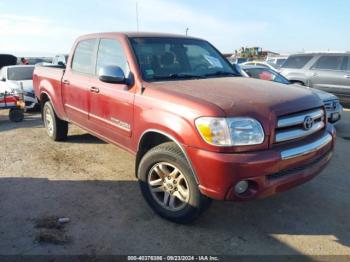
x: 236, y: 131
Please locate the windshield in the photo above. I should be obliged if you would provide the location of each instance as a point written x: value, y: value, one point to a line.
x: 162, y: 59
x: 280, y: 62
x: 20, y: 73
x: 297, y: 61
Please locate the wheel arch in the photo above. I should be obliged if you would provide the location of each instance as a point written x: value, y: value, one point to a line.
x: 154, y: 137
x: 296, y: 81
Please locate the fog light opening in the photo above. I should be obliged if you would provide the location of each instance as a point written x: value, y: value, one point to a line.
x: 241, y: 187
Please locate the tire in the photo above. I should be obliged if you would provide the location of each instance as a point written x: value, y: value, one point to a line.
x: 184, y: 201
x: 56, y: 128
x: 16, y: 115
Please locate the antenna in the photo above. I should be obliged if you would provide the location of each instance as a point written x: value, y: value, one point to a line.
x: 187, y: 31
x: 137, y: 17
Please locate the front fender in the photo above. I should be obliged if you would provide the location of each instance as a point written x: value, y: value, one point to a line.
x: 171, y: 124
x: 300, y: 77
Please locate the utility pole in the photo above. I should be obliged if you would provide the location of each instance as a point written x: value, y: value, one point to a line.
x: 187, y: 31
x: 137, y: 17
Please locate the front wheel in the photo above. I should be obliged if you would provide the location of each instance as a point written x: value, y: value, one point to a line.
x: 168, y: 184
x: 56, y: 128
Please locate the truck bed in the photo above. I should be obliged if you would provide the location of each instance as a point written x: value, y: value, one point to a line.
x: 45, y: 76
x: 48, y: 80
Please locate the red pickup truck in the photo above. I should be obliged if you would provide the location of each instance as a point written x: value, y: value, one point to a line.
x: 198, y: 130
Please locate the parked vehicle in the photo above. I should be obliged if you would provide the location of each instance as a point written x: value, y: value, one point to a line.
x: 259, y: 63
x: 60, y: 59
x: 239, y: 60
x: 329, y: 72
x: 14, y: 78
x: 331, y: 102
x: 198, y: 130
x: 6, y: 60
x: 276, y: 61
x: 15, y: 105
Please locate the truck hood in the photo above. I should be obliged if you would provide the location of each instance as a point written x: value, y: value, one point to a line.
x: 324, y: 96
x: 238, y: 96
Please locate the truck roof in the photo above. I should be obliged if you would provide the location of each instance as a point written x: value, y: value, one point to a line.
x: 135, y: 34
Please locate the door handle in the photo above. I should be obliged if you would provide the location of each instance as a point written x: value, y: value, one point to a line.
x: 66, y: 82
x: 94, y: 89
x: 347, y: 76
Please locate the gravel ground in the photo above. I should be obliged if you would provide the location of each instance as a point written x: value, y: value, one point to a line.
x: 93, y: 184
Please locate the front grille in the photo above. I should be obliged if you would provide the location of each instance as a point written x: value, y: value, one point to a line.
x: 299, y: 169
x: 299, y: 125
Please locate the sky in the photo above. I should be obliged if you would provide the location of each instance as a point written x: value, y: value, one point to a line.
x: 41, y: 27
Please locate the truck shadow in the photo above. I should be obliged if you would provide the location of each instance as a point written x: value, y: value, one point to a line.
x: 33, y: 120
x: 84, y: 138
x: 111, y: 217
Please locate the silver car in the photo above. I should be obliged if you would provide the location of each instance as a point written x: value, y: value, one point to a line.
x: 333, y: 108
x: 329, y: 72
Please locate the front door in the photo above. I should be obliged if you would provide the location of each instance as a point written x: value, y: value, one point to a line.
x: 111, y: 105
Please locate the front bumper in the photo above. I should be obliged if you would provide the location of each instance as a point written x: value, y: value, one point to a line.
x: 268, y: 172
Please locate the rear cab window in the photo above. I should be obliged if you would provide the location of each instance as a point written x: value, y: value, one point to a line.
x: 297, y: 62
x: 20, y: 73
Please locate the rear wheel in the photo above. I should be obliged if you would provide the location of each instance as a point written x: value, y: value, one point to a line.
x: 16, y: 115
x: 56, y: 128
x: 168, y: 184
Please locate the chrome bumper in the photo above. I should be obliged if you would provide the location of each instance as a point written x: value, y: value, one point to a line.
x: 308, y: 148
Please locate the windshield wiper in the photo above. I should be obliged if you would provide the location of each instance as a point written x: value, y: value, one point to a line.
x: 221, y: 73
x: 178, y: 76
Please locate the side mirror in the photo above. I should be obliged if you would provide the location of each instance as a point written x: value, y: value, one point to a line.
x: 112, y: 74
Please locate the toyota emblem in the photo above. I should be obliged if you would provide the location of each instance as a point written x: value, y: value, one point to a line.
x: 308, y: 123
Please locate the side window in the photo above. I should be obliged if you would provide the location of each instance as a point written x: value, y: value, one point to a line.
x: 346, y: 64
x: 111, y: 53
x: 297, y: 62
x: 329, y: 63
x: 83, y: 59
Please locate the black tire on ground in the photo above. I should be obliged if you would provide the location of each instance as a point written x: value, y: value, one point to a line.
x: 56, y: 128
x: 16, y: 115
x: 170, y: 153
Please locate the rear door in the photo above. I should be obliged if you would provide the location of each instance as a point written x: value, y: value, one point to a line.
x: 331, y: 74
x: 76, y: 81
x: 111, y: 105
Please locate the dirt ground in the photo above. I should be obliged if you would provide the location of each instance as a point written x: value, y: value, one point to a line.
x: 93, y: 184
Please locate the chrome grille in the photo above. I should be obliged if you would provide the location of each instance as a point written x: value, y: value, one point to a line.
x: 299, y: 125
